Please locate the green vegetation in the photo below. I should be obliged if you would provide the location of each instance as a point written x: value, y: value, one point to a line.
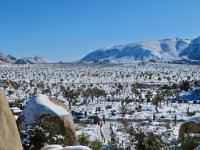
x: 42, y: 132
x: 96, y: 145
x: 149, y: 141
x: 185, y: 85
x: 83, y: 139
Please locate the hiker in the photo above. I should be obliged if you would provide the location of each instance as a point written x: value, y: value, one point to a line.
x: 104, y: 119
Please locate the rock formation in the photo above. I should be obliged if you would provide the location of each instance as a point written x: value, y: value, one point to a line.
x: 190, y: 126
x: 58, y: 147
x: 40, y: 106
x: 9, y: 135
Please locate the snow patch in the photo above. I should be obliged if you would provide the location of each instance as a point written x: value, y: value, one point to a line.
x: 40, y: 104
x: 59, y: 147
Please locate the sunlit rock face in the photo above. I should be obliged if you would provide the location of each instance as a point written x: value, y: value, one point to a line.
x: 9, y: 135
x: 190, y: 126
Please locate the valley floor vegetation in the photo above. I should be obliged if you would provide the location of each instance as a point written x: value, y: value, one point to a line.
x: 126, y: 106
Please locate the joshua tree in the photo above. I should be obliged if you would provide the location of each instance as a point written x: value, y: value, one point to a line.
x: 97, y: 93
x: 124, y: 106
x: 148, y: 96
x: 91, y: 92
x: 71, y: 95
x: 135, y: 91
x: 119, y: 88
x: 40, y: 85
x: 85, y: 94
x: 158, y: 98
x: 113, y: 95
x: 104, y: 94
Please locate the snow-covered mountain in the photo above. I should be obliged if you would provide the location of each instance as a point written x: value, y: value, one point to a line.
x: 11, y: 58
x: 193, y: 51
x: 167, y: 50
x: 24, y: 60
x: 4, y: 59
x: 31, y: 60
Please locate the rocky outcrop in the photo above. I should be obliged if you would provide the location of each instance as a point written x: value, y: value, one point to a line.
x: 9, y: 135
x: 190, y: 126
x: 41, y: 107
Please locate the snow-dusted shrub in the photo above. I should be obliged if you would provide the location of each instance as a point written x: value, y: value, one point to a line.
x: 96, y: 145
x: 148, y: 141
x: 191, y: 141
x: 83, y: 139
x: 41, y: 133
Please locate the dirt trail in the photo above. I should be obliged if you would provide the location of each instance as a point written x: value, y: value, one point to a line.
x: 106, y: 132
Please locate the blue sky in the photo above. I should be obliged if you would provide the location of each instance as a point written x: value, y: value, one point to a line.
x: 67, y: 30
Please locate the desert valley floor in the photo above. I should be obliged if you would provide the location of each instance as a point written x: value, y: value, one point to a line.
x: 123, y: 96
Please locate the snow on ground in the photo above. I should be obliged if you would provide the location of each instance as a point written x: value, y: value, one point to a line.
x: 195, y: 119
x: 92, y: 130
x: 19, y: 82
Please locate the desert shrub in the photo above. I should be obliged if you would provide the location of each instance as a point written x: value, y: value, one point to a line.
x: 41, y: 133
x: 113, y: 112
x: 125, y: 123
x: 98, y: 108
x: 95, y: 145
x: 148, y: 141
x: 185, y: 85
x: 191, y: 141
x: 191, y: 113
x: 83, y: 139
x: 108, y: 106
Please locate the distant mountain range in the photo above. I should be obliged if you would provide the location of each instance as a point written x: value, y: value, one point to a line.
x: 175, y: 50
x: 24, y: 60
x: 166, y: 50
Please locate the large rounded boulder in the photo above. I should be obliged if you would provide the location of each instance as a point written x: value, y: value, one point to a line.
x: 9, y: 135
x: 58, y: 147
x: 40, y: 107
x: 190, y: 126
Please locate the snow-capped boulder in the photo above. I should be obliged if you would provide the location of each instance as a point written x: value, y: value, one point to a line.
x: 52, y: 147
x: 40, y: 106
x: 58, y: 147
x: 9, y: 135
x: 76, y: 148
x: 190, y: 126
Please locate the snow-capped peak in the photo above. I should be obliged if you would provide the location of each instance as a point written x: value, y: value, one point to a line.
x: 31, y: 60
x: 24, y: 60
x: 159, y: 50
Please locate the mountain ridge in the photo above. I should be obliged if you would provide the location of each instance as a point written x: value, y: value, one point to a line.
x: 24, y: 60
x: 163, y: 50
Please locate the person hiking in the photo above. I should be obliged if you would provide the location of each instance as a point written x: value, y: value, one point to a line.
x: 104, y: 119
